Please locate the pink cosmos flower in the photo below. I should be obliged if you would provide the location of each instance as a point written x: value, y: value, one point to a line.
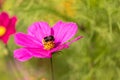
x: 7, y: 26
x: 42, y: 41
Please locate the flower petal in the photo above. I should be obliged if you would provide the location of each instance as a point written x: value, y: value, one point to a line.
x: 39, y: 30
x: 59, y: 48
x: 4, y: 19
x: 74, y: 40
x: 11, y: 26
x: 66, y: 45
x: 10, y: 30
x: 64, y: 31
x: 22, y: 54
x: 26, y: 40
x: 40, y: 53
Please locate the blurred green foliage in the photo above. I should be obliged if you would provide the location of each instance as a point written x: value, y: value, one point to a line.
x: 95, y: 57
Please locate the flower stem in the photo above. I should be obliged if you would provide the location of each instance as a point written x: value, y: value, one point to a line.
x: 16, y: 67
x: 10, y: 62
x: 8, y: 50
x: 52, y: 71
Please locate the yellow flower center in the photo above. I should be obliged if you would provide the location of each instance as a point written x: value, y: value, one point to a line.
x: 48, y: 45
x: 2, y: 31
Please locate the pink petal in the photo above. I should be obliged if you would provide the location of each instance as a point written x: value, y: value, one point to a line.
x: 59, y: 48
x: 74, y: 40
x: 4, y: 19
x: 22, y: 54
x: 26, y: 40
x: 39, y: 30
x: 64, y: 31
x: 11, y: 26
x: 66, y: 45
x: 40, y: 53
x: 10, y: 30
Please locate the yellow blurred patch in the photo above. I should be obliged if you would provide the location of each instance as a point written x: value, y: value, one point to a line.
x: 2, y: 30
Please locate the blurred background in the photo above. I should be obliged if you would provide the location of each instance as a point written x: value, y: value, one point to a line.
x: 95, y: 57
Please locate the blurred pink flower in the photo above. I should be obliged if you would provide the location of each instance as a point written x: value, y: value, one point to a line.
x: 42, y: 41
x: 7, y: 26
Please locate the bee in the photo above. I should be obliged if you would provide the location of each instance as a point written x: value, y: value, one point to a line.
x: 48, y: 42
x: 49, y: 38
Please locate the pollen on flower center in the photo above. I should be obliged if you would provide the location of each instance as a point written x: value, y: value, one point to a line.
x: 48, y: 42
x: 2, y: 31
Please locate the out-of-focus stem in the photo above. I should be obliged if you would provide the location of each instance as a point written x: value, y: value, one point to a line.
x: 10, y: 62
x: 1, y: 3
x: 52, y: 70
x: 109, y: 21
x: 15, y: 66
